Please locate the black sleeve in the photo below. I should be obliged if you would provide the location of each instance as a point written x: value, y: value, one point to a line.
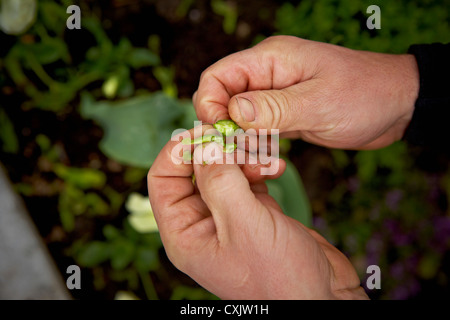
x: 430, y: 124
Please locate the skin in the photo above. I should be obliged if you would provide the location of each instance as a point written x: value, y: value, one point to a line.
x: 322, y: 93
x: 226, y: 232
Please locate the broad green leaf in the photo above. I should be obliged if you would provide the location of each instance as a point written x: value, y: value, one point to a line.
x: 136, y: 129
x: 122, y: 253
x: 290, y: 194
x: 93, y: 254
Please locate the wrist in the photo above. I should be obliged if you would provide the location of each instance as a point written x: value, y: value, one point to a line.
x: 408, y: 93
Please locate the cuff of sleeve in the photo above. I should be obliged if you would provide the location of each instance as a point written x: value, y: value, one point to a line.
x: 430, y: 122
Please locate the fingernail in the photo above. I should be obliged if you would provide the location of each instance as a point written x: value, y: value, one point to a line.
x: 247, y: 110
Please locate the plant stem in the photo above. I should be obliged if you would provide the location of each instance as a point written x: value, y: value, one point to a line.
x: 147, y: 283
x: 40, y: 72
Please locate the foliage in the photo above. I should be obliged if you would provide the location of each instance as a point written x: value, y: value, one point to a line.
x: 41, y: 65
x: 378, y: 212
x: 93, y: 79
x: 344, y: 23
x: 137, y: 128
x: 44, y: 45
x: 385, y: 211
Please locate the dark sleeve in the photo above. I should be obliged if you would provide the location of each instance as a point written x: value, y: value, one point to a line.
x: 430, y: 124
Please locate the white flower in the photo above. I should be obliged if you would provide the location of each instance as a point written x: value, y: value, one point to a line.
x: 141, y: 215
x: 125, y: 295
x: 16, y: 16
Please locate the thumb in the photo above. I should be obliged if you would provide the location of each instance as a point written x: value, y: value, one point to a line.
x: 226, y: 191
x: 285, y: 109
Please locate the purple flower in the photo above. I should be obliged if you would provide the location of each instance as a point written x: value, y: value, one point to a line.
x: 406, y: 290
x: 393, y: 199
x: 353, y: 184
x: 374, y: 248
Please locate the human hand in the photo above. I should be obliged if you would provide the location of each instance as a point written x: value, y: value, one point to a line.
x: 232, y: 238
x: 322, y: 93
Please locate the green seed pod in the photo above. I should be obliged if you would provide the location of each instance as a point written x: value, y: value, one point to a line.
x: 229, y: 147
x: 199, y: 140
x: 226, y: 127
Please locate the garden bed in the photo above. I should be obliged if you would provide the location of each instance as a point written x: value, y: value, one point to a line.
x: 387, y: 207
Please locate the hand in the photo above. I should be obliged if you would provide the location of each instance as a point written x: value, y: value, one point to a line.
x: 231, y: 237
x: 322, y: 93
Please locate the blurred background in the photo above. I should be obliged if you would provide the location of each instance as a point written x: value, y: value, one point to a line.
x: 83, y: 113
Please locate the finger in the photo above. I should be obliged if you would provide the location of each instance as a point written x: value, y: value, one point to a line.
x: 170, y: 183
x: 254, y: 142
x: 259, y: 172
x: 263, y: 67
x: 256, y: 168
x: 259, y: 188
x: 227, y: 193
x: 257, y: 68
x: 289, y: 109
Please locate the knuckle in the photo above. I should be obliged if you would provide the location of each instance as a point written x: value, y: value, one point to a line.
x: 275, y: 105
x: 204, y: 75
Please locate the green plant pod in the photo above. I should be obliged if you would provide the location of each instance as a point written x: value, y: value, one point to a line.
x: 226, y: 127
x: 199, y: 140
x: 229, y: 147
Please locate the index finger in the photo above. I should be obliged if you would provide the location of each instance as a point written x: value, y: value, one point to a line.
x: 274, y: 63
x: 170, y: 182
x: 236, y: 73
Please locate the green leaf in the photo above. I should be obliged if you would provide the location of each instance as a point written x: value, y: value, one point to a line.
x: 8, y: 136
x: 48, y: 51
x: 53, y: 15
x: 83, y: 178
x: 110, y: 232
x: 122, y: 253
x: 229, y: 13
x: 136, y: 129
x: 146, y: 259
x: 67, y: 219
x: 290, y: 194
x: 142, y: 58
x: 93, y: 254
x: 165, y: 76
